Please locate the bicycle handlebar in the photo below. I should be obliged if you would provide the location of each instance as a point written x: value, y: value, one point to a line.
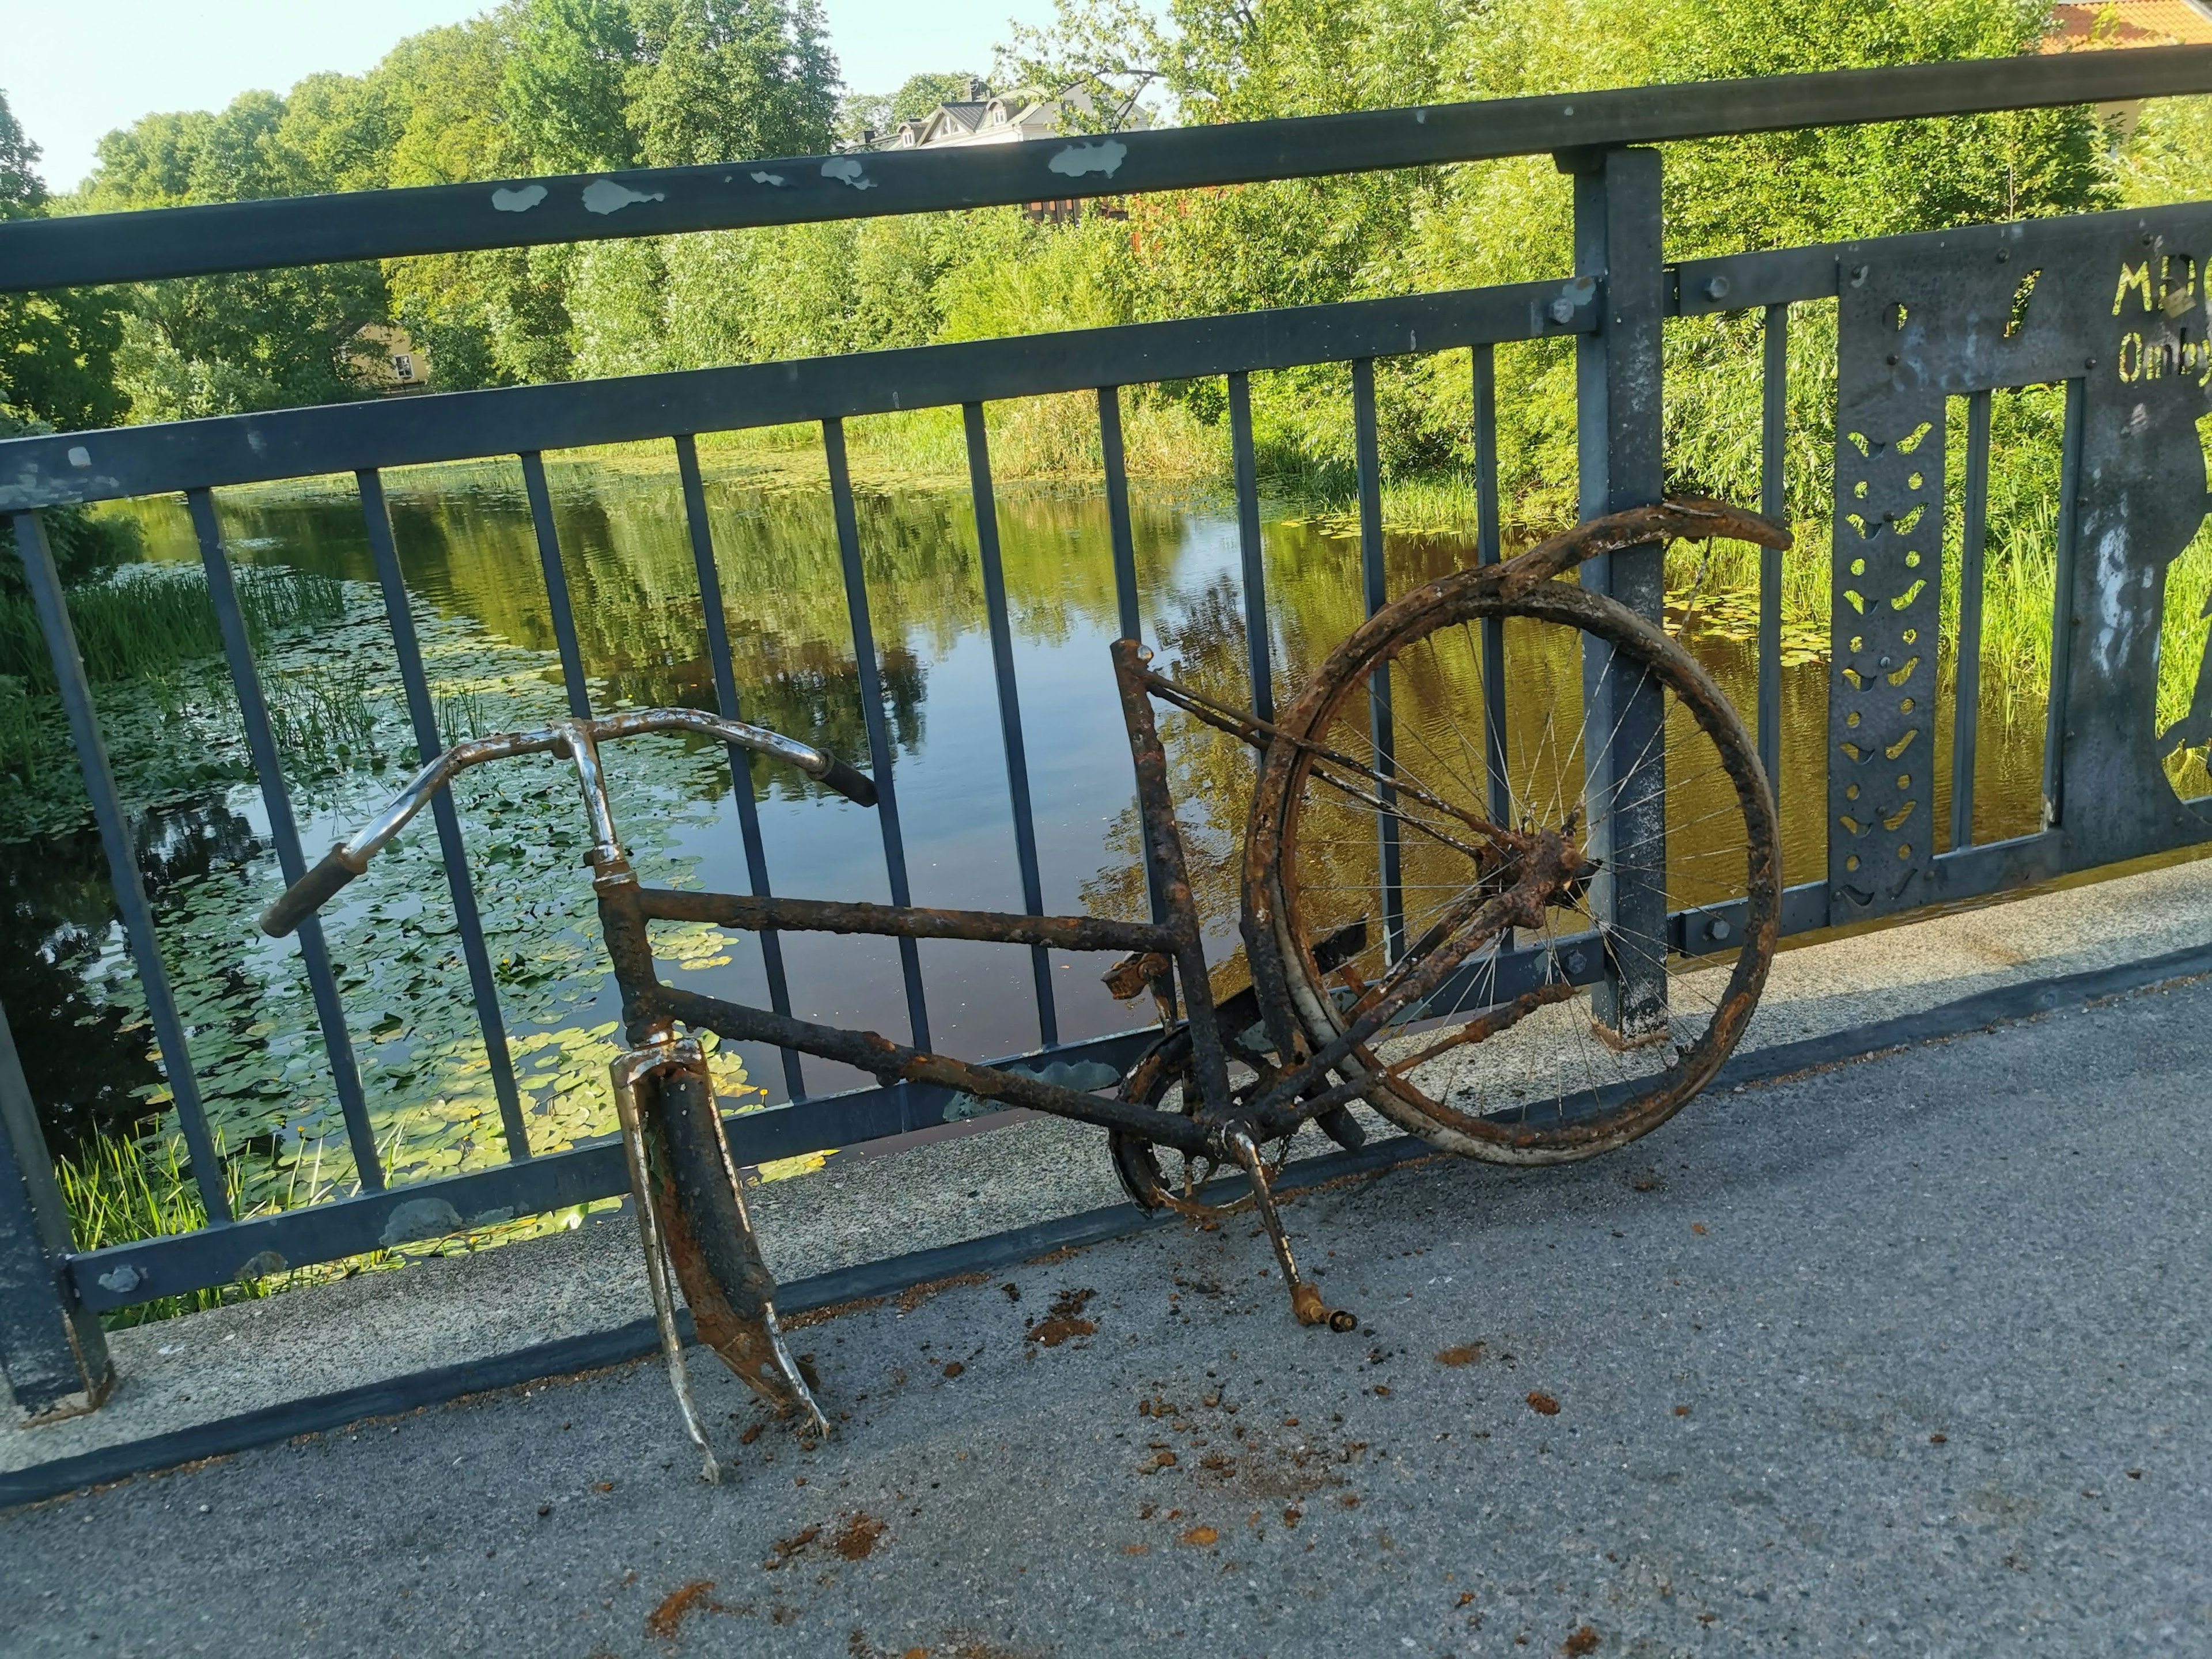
x: 308, y: 895
x: 576, y: 739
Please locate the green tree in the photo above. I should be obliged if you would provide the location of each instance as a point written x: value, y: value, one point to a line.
x: 216, y: 345
x: 56, y: 349
x: 488, y: 318
x: 565, y: 87
x: 726, y: 80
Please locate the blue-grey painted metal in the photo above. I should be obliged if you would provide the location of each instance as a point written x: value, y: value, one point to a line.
x: 284, y: 836
x: 871, y: 713
x: 298, y: 443
x: 453, y: 850
x: 1119, y: 535
x: 1487, y: 551
x: 1618, y: 376
x: 1773, y: 503
x: 1973, y: 535
x: 96, y: 248
x: 701, y: 530
x: 119, y: 844
x: 53, y: 1354
x: 1251, y: 548
x: 1010, y: 708
x: 2062, y: 606
x: 1374, y: 594
x: 556, y: 584
x: 1614, y: 305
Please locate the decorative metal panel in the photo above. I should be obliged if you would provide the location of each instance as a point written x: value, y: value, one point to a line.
x: 2115, y: 303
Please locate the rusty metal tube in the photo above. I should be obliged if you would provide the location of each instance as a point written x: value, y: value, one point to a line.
x: 893, y: 1062
x: 828, y: 916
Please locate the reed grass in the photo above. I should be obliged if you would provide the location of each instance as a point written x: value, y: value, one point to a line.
x: 147, y: 619
x: 121, y: 1191
x: 322, y: 714
x: 25, y: 741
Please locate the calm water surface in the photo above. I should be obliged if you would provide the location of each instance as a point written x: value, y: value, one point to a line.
x: 467, y: 548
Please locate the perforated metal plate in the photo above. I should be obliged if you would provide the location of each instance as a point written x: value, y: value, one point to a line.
x: 2115, y: 302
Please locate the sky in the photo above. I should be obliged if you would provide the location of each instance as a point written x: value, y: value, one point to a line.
x: 73, y: 69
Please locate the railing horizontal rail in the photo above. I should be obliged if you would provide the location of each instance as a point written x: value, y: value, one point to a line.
x: 188, y: 241
x: 125, y: 1274
x: 122, y: 1274
x: 299, y: 443
x: 1743, y: 281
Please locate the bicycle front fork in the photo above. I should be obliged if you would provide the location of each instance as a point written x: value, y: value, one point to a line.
x: 698, y: 1236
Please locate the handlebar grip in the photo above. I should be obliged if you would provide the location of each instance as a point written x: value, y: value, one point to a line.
x: 855, y: 784
x: 308, y: 895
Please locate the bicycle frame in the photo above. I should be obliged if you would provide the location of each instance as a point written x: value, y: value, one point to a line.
x: 664, y: 1093
x: 650, y: 1008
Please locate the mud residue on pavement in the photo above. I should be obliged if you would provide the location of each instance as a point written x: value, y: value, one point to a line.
x: 857, y: 1537
x: 1064, y: 1319
x: 664, y: 1620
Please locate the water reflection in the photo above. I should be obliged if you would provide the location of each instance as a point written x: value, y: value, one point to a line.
x: 469, y: 553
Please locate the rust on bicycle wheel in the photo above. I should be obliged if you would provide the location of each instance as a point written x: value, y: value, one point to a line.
x: 1275, y: 905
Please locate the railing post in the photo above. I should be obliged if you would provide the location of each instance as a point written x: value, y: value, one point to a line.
x: 1617, y: 381
x: 53, y: 1349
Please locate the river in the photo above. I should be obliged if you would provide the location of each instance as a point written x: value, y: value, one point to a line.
x: 466, y: 546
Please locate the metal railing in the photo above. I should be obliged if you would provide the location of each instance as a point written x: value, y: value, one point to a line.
x: 1614, y: 304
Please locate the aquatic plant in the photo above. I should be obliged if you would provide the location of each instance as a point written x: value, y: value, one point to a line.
x: 147, y: 619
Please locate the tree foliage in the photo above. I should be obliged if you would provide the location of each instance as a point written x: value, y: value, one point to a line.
x: 57, y: 351
x: 586, y: 85
x: 534, y: 85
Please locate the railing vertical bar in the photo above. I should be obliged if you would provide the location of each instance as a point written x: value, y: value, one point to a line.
x: 45, y: 584
x: 1973, y: 535
x: 1382, y: 728
x: 1257, y: 655
x: 1488, y: 550
x: 1117, y: 509
x: 1125, y: 564
x: 2062, y: 608
x: 284, y: 835
x: 726, y: 704
x: 1010, y: 708
x: 872, y: 711
x: 556, y: 584
x: 1773, y: 441
x: 53, y: 1351
x: 453, y: 851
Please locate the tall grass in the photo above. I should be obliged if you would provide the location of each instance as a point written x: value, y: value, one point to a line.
x: 24, y: 741
x: 323, y: 714
x: 147, y: 619
x: 119, y: 1191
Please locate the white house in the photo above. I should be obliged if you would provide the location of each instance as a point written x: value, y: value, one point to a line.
x: 1010, y: 118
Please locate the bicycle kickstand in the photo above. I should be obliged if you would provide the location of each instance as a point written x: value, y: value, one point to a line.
x: 1305, y: 1296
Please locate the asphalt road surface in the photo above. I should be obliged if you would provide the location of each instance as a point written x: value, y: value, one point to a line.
x: 1908, y: 1355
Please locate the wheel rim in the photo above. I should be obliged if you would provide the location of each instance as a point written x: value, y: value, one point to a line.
x: 1548, y: 1090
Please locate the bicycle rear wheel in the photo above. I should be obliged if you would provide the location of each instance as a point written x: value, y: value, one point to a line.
x: 1560, y: 1083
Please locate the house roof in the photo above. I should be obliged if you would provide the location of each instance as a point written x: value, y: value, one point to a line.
x: 2079, y: 25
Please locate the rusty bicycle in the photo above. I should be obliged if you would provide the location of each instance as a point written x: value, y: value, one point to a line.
x: 1475, y: 915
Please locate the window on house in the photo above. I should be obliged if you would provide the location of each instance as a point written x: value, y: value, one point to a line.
x: 403, y: 365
